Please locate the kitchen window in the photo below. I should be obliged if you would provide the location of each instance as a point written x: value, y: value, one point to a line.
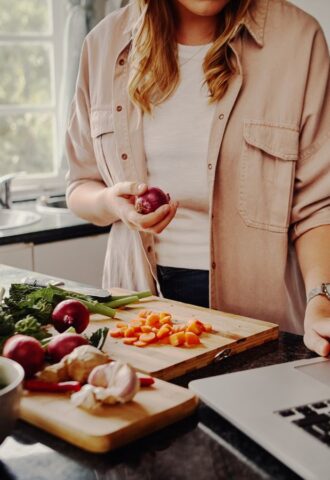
x: 31, y: 35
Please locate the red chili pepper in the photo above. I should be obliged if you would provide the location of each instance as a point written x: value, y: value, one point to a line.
x: 146, y: 381
x: 51, y: 387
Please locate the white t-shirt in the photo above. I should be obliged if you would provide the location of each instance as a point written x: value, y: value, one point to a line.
x: 176, y: 138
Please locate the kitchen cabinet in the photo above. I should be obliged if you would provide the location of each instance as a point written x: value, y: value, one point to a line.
x: 79, y: 259
x: 18, y: 255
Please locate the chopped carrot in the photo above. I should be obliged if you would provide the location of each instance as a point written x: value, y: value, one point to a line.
x: 121, y: 325
x: 167, y: 319
x: 147, y: 337
x: 144, y: 313
x: 177, y: 339
x: 137, y: 322
x: 146, y: 329
x: 195, y: 326
x: 164, y: 331
x: 164, y: 314
x: 130, y: 332
x: 178, y: 327
x: 164, y: 340
x: 191, y: 339
x: 153, y: 320
x: 130, y: 340
x: 139, y: 343
x: 208, y: 327
x: 116, y: 333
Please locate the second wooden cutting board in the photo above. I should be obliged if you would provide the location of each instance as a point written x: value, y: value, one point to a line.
x: 232, y: 334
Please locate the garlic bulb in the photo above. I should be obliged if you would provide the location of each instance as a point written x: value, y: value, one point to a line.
x: 81, y: 361
x: 112, y: 383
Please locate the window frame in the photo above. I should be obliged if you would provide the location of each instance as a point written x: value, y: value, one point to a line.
x: 31, y: 186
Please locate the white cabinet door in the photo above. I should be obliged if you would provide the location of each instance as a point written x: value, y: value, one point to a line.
x: 19, y: 255
x: 79, y: 259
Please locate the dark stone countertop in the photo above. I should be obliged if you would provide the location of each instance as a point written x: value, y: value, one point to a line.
x: 203, y: 446
x: 52, y: 226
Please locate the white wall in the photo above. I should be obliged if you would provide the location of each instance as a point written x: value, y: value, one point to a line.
x: 320, y: 9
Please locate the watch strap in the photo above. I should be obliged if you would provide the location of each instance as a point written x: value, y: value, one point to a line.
x: 323, y: 289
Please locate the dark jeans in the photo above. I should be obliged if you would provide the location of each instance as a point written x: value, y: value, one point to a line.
x: 184, y: 285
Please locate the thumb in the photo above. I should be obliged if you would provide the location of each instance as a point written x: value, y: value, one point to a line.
x: 129, y: 188
x: 314, y: 342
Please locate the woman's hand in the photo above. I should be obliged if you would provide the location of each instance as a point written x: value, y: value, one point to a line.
x: 317, y: 326
x: 121, y: 197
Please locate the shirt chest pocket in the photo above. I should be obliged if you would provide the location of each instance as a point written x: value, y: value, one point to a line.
x: 267, y: 172
x: 104, y: 144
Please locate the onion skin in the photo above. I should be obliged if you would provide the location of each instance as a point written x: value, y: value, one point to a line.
x: 63, y: 344
x: 26, y: 351
x: 152, y: 199
x: 70, y: 313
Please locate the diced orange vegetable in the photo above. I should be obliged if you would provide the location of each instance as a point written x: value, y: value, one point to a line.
x: 191, y: 339
x: 208, y: 327
x: 177, y: 339
x: 153, y: 320
x: 130, y: 340
x: 116, y: 333
x: 139, y: 343
x: 144, y: 313
x: 166, y: 320
x: 164, y: 331
x: 146, y: 329
x: 147, y: 337
x: 130, y: 332
x: 137, y: 322
x: 179, y: 327
x: 164, y: 340
x: 195, y: 326
x: 164, y: 314
x: 121, y: 325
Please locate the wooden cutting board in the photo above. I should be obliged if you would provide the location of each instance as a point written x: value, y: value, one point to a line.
x: 112, y: 426
x: 232, y: 334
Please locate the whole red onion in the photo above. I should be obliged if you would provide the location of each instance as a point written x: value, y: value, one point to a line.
x: 70, y: 313
x: 26, y: 351
x: 63, y: 344
x: 152, y: 199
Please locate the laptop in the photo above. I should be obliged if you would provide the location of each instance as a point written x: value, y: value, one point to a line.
x: 285, y: 408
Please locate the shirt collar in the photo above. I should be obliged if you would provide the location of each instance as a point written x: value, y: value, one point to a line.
x: 255, y: 20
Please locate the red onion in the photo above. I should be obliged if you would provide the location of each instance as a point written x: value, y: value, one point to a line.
x: 26, y: 351
x: 70, y: 313
x: 63, y: 344
x: 152, y: 199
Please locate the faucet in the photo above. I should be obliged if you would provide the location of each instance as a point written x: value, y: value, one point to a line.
x: 5, y: 182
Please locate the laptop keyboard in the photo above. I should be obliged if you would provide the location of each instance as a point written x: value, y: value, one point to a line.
x: 314, y: 418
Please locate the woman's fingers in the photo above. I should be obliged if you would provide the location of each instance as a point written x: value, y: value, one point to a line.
x: 129, y: 188
x: 315, y: 342
x: 159, y: 227
x: 149, y: 221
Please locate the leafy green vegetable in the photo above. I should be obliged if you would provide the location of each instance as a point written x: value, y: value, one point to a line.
x: 30, y: 326
x: 98, y: 338
x: 7, y: 324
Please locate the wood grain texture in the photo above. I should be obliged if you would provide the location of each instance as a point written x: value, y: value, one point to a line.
x: 111, y: 426
x: 232, y: 333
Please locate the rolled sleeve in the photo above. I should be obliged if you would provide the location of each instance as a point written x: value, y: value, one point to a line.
x: 79, y: 147
x: 311, y: 198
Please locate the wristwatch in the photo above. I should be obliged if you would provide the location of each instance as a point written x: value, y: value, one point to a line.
x: 324, y: 289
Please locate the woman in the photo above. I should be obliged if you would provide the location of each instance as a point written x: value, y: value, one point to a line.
x: 246, y: 153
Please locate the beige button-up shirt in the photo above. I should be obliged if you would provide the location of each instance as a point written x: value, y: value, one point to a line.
x: 268, y: 159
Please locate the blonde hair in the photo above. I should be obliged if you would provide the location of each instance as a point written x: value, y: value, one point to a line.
x: 154, y: 73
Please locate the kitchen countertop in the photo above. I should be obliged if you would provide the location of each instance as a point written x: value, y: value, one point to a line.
x: 203, y: 446
x: 52, y: 226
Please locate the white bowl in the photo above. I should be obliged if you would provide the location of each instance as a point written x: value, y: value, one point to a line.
x: 11, y: 375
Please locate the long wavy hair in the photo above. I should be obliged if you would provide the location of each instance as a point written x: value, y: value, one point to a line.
x: 154, y: 72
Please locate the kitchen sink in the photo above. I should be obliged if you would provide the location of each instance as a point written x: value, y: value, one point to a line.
x: 51, y: 205
x: 17, y: 218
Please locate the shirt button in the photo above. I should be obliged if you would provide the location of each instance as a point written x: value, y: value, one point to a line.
x: 119, y: 108
x: 213, y: 265
x: 149, y: 249
x: 124, y: 156
x: 121, y: 61
x: 210, y: 166
x: 221, y: 116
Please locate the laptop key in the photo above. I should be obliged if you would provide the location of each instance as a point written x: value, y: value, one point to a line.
x: 319, y: 405
x: 305, y: 411
x: 311, y: 420
x: 287, y: 413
